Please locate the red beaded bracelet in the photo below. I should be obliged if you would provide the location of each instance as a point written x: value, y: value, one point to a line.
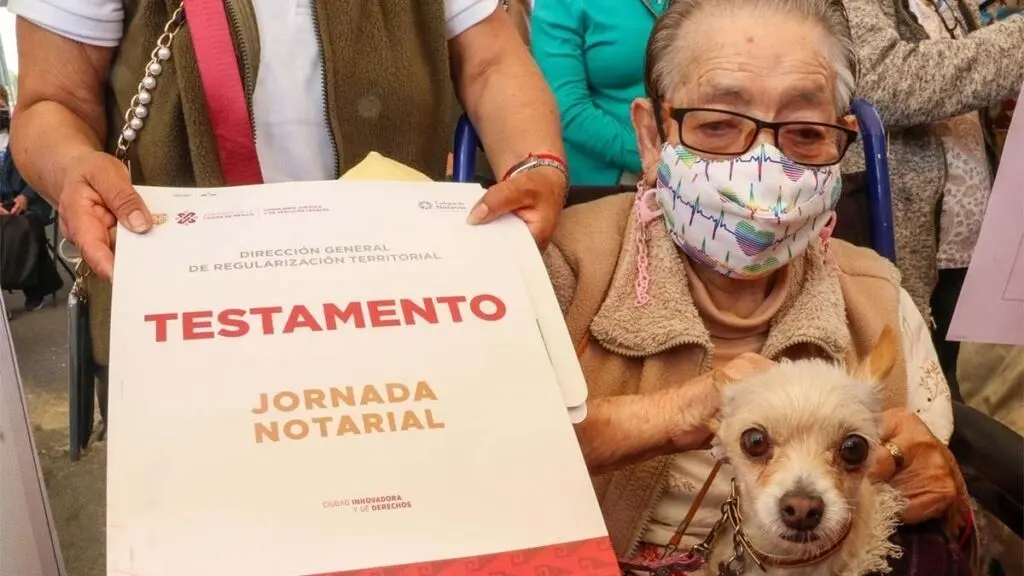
x: 536, y: 161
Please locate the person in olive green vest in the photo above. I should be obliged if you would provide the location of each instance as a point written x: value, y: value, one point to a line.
x: 110, y: 83
x: 326, y: 82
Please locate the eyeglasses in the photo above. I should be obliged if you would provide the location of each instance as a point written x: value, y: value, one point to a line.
x: 725, y: 133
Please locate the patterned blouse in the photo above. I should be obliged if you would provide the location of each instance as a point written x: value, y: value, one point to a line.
x: 968, y: 176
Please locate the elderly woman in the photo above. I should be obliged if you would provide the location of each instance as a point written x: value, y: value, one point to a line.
x: 740, y: 140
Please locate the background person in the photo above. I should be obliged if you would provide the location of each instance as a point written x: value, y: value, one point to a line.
x: 17, y: 197
x: 592, y: 53
x: 5, y: 119
x: 325, y: 82
x: 929, y: 68
x: 318, y: 107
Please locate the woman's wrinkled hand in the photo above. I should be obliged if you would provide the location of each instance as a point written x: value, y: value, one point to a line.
x: 927, y: 475
x: 98, y: 194
x: 701, y: 400
x: 536, y: 196
x: 740, y: 367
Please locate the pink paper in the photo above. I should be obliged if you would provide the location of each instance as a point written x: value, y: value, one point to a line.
x: 991, y: 306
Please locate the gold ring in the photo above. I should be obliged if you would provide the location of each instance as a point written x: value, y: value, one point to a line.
x: 897, y: 454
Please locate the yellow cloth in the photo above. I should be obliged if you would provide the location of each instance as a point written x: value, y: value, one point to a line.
x: 378, y: 167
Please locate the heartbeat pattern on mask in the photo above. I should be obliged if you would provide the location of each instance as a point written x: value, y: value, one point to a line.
x: 751, y: 240
x: 791, y: 169
x: 762, y: 159
x: 745, y: 235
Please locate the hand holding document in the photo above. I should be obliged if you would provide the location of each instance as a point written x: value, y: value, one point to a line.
x: 306, y: 382
x: 549, y: 317
x: 991, y: 304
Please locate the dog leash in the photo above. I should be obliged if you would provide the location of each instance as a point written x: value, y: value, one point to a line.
x: 677, y: 536
x: 673, y: 563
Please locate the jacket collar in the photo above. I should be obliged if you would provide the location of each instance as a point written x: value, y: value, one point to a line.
x: 812, y: 314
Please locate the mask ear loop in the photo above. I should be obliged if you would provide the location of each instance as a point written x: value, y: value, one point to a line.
x: 644, y: 216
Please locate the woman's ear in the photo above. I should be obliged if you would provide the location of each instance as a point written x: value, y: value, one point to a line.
x: 648, y: 142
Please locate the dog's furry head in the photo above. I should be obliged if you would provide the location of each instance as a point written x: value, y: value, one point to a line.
x: 800, y: 438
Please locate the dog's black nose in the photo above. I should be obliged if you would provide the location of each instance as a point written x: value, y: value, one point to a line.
x: 801, y: 511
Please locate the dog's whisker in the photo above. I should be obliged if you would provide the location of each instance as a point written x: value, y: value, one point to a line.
x: 829, y: 540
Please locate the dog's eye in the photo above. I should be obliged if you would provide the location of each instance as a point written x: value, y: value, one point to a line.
x: 854, y: 450
x: 754, y: 443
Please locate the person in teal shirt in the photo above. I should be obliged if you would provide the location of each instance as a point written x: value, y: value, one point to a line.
x: 592, y: 54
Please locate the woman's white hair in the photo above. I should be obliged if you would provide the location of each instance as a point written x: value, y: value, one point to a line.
x: 664, y: 49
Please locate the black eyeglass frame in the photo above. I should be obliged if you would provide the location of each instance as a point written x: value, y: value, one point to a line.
x: 678, y: 114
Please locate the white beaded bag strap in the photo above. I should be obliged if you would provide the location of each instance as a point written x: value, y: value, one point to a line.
x: 134, y: 121
x: 135, y: 116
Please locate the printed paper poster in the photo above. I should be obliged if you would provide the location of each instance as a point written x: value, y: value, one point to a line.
x: 991, y: 304
x: 307, y: 383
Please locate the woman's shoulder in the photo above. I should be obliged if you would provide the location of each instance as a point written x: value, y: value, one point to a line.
x: 594, y: 224
x: 586, y: 246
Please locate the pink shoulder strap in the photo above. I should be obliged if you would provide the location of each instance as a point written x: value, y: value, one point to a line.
x: 225, y: 95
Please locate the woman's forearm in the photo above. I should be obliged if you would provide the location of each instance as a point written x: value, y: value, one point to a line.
x: 61, y: 112
x: 504, y: 94
x: 46, y: 140
x: 622, y: 430
x: 914, y: 83
x: 516, y: 115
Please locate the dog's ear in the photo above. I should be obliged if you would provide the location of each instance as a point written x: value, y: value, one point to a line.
x: 880, y: 362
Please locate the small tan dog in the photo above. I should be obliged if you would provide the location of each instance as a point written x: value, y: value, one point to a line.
x: 801, y: 439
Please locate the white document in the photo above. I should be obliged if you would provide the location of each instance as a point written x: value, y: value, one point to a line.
x: 28, y: 540
x: 560, y: 347
x: 991, y: 304
x: 307, y: 383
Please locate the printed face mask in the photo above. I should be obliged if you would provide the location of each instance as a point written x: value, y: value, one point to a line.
x: 748, y: 216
